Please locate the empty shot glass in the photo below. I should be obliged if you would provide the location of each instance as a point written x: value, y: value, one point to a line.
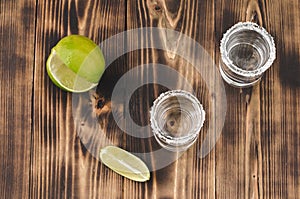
x: 247, y: 51
x: 176, y: 119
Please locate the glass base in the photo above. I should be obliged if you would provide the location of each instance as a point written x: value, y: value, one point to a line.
x: 235, y: 82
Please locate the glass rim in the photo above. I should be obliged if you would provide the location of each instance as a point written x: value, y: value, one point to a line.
x: 253, y: 27
x: 184, y: 139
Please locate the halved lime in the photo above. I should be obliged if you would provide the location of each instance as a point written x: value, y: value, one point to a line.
x: 125, y: 163
x: 75, y: 64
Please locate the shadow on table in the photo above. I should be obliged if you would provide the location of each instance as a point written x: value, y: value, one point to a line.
x: 290, y: 68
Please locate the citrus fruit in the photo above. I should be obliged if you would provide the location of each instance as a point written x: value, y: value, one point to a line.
x: 125, y: 163
x: 75, y: 64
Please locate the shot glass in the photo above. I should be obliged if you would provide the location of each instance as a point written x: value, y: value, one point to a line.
x: 176, y: 119
x: 247, y: 51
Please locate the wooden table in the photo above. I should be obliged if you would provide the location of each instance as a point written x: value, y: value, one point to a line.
x: 42, y: 154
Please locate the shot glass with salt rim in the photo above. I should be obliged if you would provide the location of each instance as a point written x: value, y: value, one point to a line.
x: 247, y: 51
x: 176, y: 119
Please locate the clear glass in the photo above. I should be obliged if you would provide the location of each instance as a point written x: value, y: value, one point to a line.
x: 176, y: 119
x: 247, y: 51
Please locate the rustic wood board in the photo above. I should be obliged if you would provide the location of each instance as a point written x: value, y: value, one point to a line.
x: 42, y: 154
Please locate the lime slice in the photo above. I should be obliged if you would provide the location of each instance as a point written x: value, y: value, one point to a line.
x: 75, y: 64
x: 125, y: 163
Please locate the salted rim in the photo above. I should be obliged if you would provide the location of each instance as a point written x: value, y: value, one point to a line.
x: 175, y: 93
x: 254, y: 27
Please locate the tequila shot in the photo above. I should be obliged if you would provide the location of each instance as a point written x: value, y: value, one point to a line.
x: 176, y: 119
x: 247, y: 51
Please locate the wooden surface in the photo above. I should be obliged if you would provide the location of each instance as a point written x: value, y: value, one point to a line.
x: 42, y: 155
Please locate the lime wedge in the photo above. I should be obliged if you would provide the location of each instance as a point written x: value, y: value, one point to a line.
x: 125, y: 163
x: 75, y: 64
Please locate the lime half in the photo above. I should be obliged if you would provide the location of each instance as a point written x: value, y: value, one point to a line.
x: 75, y: 64
x: 125, y: 163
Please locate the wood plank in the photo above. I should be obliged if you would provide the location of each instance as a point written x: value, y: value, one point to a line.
x: 230, y: 149
x: 281, y: 125
x: 61, y: 165
x: 189, y: 176
x: 261, y: 163
x: 17, y: 24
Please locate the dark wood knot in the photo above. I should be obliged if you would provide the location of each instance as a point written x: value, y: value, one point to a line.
x: 157, y: 8
x: 100, y: 103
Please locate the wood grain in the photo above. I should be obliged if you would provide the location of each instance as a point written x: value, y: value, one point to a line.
x: 258, y: 134
x: 176, y: 180
x: 43, y: 155
x: 61, y: 166
x: 17, y: 25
